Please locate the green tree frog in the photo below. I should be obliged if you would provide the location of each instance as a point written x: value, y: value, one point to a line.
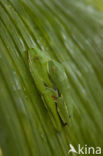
x: 43, y: 70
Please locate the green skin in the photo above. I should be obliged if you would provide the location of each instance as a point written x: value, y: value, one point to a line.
x: 42, y: 71
x: 60, y: 79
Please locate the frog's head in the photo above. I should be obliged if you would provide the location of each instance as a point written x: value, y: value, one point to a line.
x: 38, y: 66
x: 36, y: 55
x: 56, y: 72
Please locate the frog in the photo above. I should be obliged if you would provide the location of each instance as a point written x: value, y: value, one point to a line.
x: 42, y: 68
